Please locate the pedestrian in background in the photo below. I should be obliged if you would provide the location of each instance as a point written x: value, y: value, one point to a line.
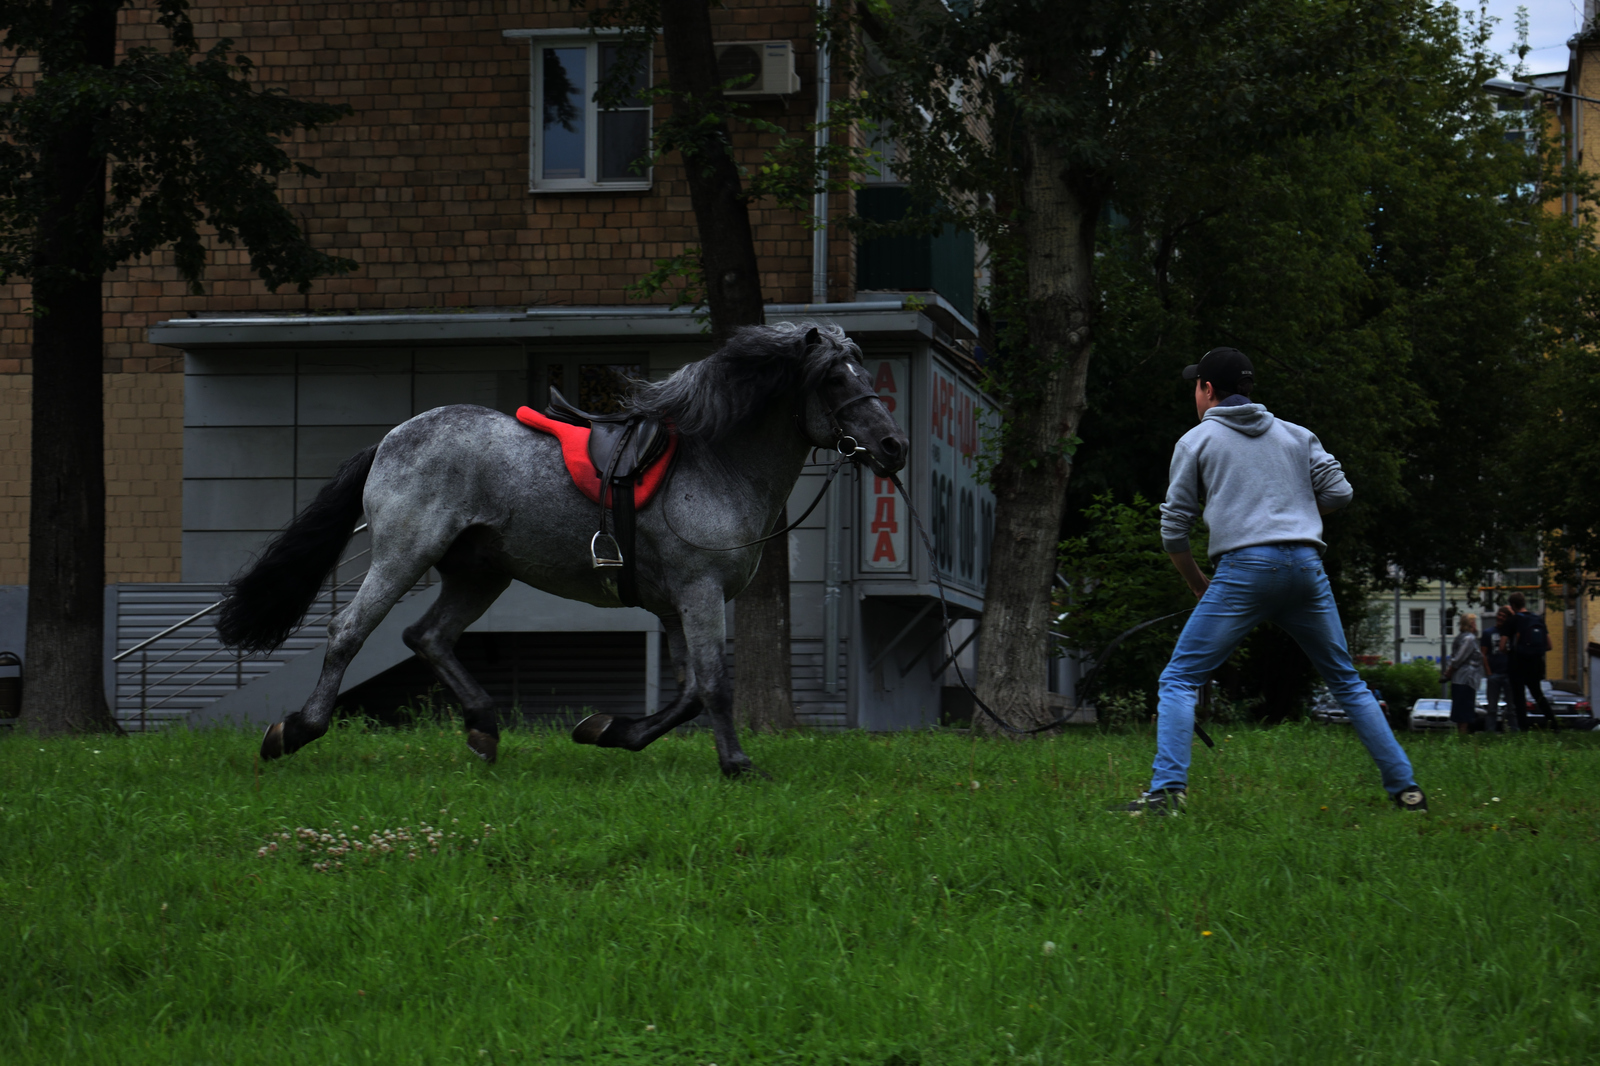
x: 1465, y: 670
x: 1499, y: 660
x: 1528, y: 644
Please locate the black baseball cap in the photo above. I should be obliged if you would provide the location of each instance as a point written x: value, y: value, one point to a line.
x: 1226, y: 368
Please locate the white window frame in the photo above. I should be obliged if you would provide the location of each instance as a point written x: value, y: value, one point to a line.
x: 538, y: 41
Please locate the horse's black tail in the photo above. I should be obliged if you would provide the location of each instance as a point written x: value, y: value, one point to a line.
x: 268, y: 600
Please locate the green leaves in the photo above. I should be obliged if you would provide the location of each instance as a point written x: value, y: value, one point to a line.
x: 1117, y: 575
x: 663, y: 272
x: 190, y: 144
x: 1383, y: 276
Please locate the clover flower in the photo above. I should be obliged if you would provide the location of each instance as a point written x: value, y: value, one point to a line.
x: 328, y: 847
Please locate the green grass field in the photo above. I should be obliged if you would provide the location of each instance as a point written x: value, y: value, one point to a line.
x: 870, y: 904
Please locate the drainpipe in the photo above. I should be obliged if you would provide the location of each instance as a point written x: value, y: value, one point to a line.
x: 819, y: 205
x: 832, y: 592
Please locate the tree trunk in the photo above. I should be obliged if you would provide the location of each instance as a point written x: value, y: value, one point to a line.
x: 762, y: 696
x: 63, y: 687
x: 727, y: 245
x: 761, y: 639
x: 1047, y: 401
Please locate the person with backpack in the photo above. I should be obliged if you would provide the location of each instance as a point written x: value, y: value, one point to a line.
x: 1528, y: 643
x: 1262, y: 485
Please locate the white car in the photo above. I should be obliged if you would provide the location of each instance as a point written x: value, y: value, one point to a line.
x: 1431, y: 714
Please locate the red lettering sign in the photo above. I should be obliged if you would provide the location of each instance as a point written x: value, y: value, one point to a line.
x: 885, y: 520
x: 888, y: 390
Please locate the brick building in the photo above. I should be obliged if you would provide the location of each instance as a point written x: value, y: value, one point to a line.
x: 498, y: 227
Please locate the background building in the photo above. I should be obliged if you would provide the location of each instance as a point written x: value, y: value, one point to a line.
x: 497, y: 250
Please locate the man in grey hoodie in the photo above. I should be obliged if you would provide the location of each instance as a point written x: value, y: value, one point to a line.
x: 1263, y: 485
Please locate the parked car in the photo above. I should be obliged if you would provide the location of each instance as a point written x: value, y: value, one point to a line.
x: 1433, y: 714
x: 1573, y: 711
x: 1326, y: 709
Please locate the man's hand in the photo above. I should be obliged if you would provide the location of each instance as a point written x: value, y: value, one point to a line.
x: 1189, y: 570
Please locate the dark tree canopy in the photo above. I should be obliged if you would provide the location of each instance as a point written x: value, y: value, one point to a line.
x: 1323, y: 185
x: 191, y: 146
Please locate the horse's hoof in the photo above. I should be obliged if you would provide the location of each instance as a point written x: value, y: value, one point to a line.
x: 272, y: 742
x: 591, y: 729
x: 483, y: 745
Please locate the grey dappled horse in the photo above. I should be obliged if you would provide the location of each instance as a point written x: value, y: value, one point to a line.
x: 487, y: 500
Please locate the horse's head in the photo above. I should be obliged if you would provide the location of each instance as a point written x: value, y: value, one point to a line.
x: 843, y: 409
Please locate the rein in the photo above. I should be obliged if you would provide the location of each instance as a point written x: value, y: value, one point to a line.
x: 944, y: 611
x: 833, y: 472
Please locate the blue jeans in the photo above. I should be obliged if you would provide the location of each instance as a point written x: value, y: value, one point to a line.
x: 1282, y: 583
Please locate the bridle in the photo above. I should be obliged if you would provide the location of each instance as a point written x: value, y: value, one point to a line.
x: 853, y: 449
x: 849, y: 451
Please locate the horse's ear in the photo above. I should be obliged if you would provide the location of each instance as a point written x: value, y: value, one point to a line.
x: 813, y: 338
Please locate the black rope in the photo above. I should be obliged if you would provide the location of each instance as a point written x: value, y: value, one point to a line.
x: 944, y: 610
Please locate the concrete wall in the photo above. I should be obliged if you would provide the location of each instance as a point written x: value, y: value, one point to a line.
x: 263, y: 430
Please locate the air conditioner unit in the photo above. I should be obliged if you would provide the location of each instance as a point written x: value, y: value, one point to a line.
x: 766, y: 68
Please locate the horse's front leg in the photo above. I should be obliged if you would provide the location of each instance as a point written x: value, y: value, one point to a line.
x: 635, y: 734
x: 705, y: 631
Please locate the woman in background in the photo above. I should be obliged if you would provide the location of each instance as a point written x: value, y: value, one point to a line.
x: 1466, y: 669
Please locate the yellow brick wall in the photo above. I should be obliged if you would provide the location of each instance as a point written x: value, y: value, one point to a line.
x: 144, y: 477
x: 15, y: 425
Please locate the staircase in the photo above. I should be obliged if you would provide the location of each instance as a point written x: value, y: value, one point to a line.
x: 170, y: 664
x: 184, y: 667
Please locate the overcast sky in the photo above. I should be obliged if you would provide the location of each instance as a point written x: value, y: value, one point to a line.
x: 1550, y: 23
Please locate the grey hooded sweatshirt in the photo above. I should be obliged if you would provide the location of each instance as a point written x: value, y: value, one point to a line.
x: 1258, y: 479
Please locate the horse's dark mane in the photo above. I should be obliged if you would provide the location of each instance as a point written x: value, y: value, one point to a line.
x: 710, y: 399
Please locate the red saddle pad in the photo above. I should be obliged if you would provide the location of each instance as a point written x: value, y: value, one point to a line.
x: 575, y: 450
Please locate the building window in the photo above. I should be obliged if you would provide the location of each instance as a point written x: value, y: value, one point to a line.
x: 1449, y: 624
x: 573, y: 142
x: 1419, y: 622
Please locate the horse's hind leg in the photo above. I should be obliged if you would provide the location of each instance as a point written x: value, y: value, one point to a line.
x: 463, y: 597
x: 388, y: 580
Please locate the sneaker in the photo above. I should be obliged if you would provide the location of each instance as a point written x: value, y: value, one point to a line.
x: 1411, y: 799
x: 1157, y: 804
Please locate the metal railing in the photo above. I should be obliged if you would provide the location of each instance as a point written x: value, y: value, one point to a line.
x: 202, y: 666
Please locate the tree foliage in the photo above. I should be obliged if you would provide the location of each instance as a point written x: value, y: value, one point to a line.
x: 1032, y: 123
x: 1324, y: 185
x: 1117, y: 577
x: 1399, y: 285
x: 1383, y: 279
x: 1553, y: 447
x: 192, y: 146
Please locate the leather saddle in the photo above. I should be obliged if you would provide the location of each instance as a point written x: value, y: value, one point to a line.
x: 621, y: 448
x: 642, y: 439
